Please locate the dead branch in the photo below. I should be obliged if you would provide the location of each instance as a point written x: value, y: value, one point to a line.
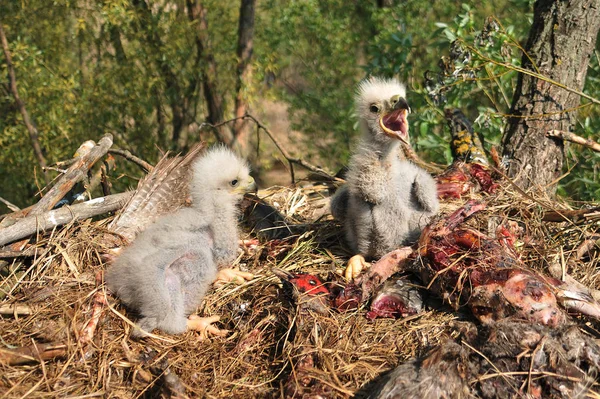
x: 27, y: 253
x: 33, y: 133
x: 291, y: 160
x: 10, y: 205
x: 33, y: 353
x: 568, y: 136
x: 586, y: 248
x: 100, y: 174
x: 48, y: 220
x: 576, y: 215
x: 20, y: 309
x: 75, y: 173
x: 130, y: 157
x: 287, y: 156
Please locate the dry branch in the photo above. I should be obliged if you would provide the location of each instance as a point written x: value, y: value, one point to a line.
x: 575, y: 216
x: 99, y: 176
x: 20, y: 309
x: 33, y: 353
x: 46, y: 221
x: 33, y: 133
x: 130, y: 157
x: 75, y: 173
x: 10, y: 205
x: 291, y: 160
x: 568, y: 136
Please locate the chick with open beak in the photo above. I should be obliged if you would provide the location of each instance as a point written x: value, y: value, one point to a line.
x: 387, y: 200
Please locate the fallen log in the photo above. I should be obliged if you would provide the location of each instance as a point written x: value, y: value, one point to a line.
x: 58, y: 217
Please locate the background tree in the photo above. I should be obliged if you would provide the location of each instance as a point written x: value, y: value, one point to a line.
x: 561, y: 41
x: 152, y: 72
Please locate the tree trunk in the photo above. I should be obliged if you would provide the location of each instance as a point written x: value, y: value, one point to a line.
x: 561, y: 40
x: 244, y: 54
x: 173, y: 90
x: 214, y: 101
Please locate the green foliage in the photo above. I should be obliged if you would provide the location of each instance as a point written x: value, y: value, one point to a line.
x: 582, y: 164
x: 87, y: 68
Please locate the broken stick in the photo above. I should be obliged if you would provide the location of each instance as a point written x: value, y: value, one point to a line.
x: 568, y: 136
x: 48, y: 220
x: 33, y: 353
x: 76, y: 173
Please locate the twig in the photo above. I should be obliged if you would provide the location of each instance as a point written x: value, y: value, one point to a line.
x: 130, y: 157
x: 48, y: 220
x: 10, y: 205
x: 286, y: 155
x: 75, y: 173
x: 33, y: 133
x: 109, y: 164
x: 29, y: 252
x: 530, y: 73
x: 20, y: 309
x: 33, y: 353
x: 573, y: 215
x: 572, y: 137
x: 585, y: 248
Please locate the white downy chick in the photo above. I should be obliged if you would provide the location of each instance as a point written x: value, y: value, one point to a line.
x: 165, y: 273
x: 387, y: 200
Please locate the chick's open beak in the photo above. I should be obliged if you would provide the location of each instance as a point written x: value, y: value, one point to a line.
x: 394, y: 123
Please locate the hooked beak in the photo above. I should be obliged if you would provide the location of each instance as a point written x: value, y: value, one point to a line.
x: 249, y: 187
x: 394, y: 123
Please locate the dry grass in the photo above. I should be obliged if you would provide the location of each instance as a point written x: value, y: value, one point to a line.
x: 268, y: 335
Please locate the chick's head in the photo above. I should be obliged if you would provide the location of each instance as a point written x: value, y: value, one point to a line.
x: 220, y: 172
x: 382, y: 109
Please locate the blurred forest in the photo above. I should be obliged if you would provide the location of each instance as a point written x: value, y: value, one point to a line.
x: 157, y: 74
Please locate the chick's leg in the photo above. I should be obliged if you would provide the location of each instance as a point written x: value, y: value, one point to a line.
x: 355, y: 266
x: 232, y: 275
x: 204, y: 326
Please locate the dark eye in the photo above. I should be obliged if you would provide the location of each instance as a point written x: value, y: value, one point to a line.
x: 312, y: 282
x: 234, y: 183
x: 374, y: 109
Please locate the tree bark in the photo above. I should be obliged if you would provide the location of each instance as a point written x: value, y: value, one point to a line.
x: 561, y: 40
x: 244, y: 54
x: 208, y: 72
x: 33, y: 132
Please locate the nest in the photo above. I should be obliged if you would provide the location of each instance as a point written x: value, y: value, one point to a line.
x: 64, y: 335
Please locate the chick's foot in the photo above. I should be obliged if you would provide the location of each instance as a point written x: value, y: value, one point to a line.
x: 204, y: 326
x: 355, y: 266
x: 232, y: 275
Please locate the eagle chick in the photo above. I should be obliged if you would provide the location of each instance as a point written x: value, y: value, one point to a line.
x: 387, y: 200
x: 165, y: 272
